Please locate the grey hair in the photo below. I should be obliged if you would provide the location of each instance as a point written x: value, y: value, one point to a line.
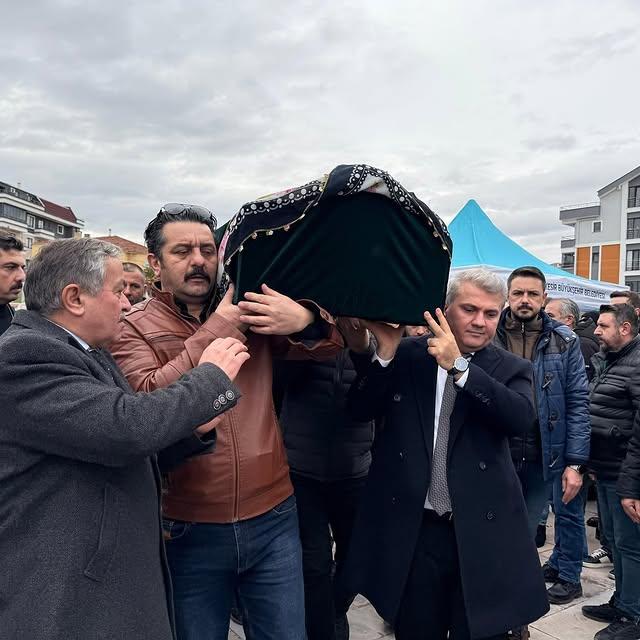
x: 567, y: 308
x: 63, y: 262
x: 481, y: 278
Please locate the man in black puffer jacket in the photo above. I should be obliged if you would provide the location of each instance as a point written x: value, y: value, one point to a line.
x: 614, y: 406
x: 329, y: 455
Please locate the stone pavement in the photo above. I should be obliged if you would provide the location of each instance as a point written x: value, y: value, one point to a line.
x: 563, y: 622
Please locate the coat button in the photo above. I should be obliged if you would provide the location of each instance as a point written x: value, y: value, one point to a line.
x: 483, y: 466
x: 230, y: 395
x: 397, y: 397
x: 216, y: 405
x: 491, y: 515
x: 401, y: 455
x: 393, y: 500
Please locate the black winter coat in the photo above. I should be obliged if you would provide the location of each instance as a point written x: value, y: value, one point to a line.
x: 501, y: 579
x: 614, y: 404
x: 589, y: 344
x: 323, y: 442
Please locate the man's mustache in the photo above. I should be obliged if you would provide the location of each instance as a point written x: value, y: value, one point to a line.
x: 198, y: 273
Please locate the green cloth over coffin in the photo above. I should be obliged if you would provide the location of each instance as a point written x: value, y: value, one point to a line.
x: 355, y: 242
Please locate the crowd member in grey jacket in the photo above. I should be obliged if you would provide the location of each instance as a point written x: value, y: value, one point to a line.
x: 329, y: 454
x: 614, y: 409
x: 80, y: 535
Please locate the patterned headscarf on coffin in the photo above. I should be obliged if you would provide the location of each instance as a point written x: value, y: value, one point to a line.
x: 355, y: 241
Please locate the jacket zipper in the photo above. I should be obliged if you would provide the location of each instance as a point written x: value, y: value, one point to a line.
x: 236, y: 466
x: 524, y: 355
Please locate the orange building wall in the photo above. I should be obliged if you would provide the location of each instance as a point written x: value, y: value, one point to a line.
x: 610, y: 262
x: 583, y: 261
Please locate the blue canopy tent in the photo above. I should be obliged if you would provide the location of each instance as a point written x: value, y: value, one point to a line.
x: 477, y: 242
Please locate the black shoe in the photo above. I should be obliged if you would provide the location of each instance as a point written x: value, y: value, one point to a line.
x: 550, y: 573
x: 519, y: 634
x: 562, y: 592
x: 541, y: 535
x: 592, y: 521
x: 622, y: 630
x: 607, y: 612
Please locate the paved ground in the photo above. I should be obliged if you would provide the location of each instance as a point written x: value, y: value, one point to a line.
x: 563, y: 622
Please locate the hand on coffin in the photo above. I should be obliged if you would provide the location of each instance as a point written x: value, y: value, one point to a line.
x: 231, y: 312
x: 442, y: 346
x: 355, y: 334
x: 272, y: 313
x: 387, y: 336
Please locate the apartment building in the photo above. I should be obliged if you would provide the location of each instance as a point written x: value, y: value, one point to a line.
x: 34, y: 220
x: 605, y: 243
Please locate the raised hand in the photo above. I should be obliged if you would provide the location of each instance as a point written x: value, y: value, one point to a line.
x: 442, y: 346
x: 272, y: 313
x: 227, y: 353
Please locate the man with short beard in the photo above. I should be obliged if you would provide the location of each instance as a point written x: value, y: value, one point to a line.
x: 12, y: 277
x: 553, y: 450
x: 230, y: 520
x: 614, y: 408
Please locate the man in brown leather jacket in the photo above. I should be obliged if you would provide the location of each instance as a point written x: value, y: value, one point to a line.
x: 230, y: 519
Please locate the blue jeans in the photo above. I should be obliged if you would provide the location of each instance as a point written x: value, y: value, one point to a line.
x: 260, y: 559
x: 570, y: 539
x: 534, y: 489
x: 624, y: 537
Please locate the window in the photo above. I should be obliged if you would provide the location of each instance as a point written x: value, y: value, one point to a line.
x: 633, y: 228
x: 29, y: 243
x: 633, y: 260
x: 40, y: 223
x: 60, y: 229
x: 597, y: 226
x: 595, y: 263
x: 633, y: 284
x: 634, y: 197
x: 568, y: 261
x: 31, y: 221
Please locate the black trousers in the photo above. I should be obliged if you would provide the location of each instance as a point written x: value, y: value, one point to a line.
x: 325, y: 509
x: 432, y: 605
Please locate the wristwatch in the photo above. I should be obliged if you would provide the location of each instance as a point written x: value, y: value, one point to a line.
x: 576, y: 467
x: 460, y: 365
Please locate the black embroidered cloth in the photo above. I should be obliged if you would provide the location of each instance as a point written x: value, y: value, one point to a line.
x: 354, y: 241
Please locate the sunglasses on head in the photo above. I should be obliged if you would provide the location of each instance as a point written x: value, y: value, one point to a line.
x: 175, y: 209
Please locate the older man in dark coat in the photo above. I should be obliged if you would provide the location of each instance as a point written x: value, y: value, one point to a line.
x: 441, y: 544
x: 80, y: 535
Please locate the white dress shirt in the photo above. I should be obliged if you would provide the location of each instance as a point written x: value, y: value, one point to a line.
x: 440, y: 383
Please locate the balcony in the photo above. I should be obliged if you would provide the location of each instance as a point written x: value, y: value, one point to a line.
x: 633, y: 202
x: 567, y: 242
x: 633, y: 234
x: 570, y: 214
x: 632, y: 265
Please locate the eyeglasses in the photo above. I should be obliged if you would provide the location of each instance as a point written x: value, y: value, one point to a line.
x: 175, y: 209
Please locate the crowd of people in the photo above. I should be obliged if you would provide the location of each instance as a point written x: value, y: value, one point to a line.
x: 170, y: 457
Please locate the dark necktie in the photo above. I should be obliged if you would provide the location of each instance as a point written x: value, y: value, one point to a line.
x: 439, y: 488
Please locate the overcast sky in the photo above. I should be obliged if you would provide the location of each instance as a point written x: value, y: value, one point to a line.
x: 114, y: 108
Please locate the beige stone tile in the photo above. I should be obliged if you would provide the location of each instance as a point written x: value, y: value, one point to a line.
x: 569, y: 623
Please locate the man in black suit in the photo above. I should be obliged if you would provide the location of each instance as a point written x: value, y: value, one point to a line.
x: 441, y: 544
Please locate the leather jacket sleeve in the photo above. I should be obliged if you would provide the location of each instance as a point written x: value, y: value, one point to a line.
x: 145, y: 372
